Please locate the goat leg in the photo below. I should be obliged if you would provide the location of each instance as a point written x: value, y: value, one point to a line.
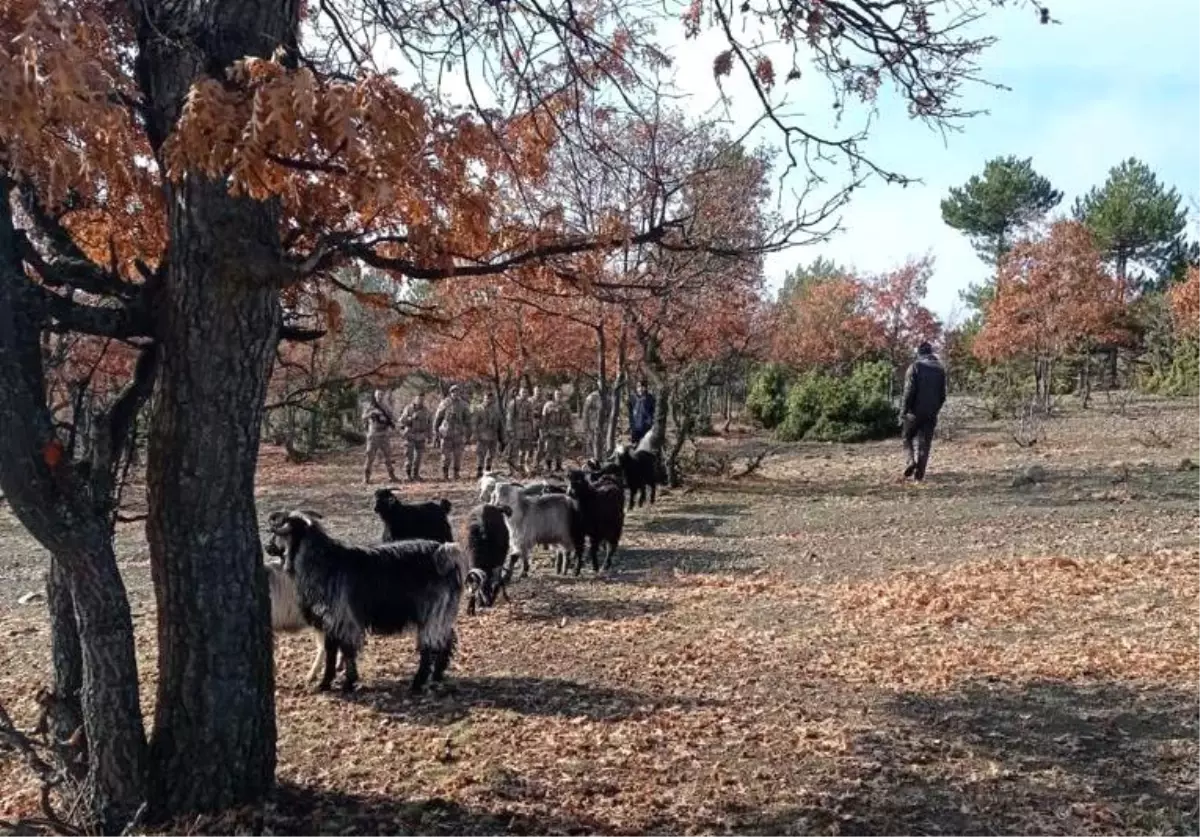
x: 441, y: 659
x: 423, y: 670
x: 350, y: 656
x: 318, y: 659
x: 609, y: 552
x: 331, y: 651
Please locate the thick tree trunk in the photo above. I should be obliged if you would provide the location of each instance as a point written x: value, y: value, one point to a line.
x: 213, y: 743
x: 49, y: 497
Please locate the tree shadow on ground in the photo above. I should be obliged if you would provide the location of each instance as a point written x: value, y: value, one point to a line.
x: 1043, y: 758
x: 1108, y: 735
x: 658, y: 567
x: 703, y: 527
x: 1080, y: 758
x: 566, y: 604
x: 712, y: 509
x: 453, y: 699
x: 298, y: 809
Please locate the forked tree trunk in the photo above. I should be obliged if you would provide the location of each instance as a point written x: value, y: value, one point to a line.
x: 50, y: 499
x: 213, y: 744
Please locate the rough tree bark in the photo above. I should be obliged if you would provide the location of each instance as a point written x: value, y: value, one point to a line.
x: 54, y: 501
x: 213, y: 741
x: 65, y: 712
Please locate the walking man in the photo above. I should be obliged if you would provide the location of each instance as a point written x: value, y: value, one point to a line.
x: 452, y: 423
x: 641, y: 413
x: 379, y: 430
x: 924, y: 395
x: 591, y: 424
x: 556, y: 424
x: 416, y: 424
x: 486, y: 426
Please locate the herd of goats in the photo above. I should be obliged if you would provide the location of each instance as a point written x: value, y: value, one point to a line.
x: 417, y: 576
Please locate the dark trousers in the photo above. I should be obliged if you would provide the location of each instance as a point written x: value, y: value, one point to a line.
x: 920, y: 429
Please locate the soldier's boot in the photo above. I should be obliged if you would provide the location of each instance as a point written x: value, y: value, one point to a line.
x: 366, y: 476
x: 392, y: 475
x: 479, y: 471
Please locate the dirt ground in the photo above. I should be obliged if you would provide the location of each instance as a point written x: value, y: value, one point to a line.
x: 810, y: 649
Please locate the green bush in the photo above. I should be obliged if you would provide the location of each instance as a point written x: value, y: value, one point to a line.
x: 822, y: 408
x: 1182, y: 377
x: 767, y: 399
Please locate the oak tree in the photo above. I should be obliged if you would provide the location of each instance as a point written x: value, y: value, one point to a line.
x: 1054, y: 297
x: 180, y: 167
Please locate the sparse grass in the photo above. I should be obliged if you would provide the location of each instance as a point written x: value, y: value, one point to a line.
x: 810, y: 649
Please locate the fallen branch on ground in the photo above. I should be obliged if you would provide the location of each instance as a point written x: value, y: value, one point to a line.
x: 753, y: 463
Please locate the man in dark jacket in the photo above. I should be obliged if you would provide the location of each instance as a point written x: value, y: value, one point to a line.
x: 924, y: 395
x: 641, y: 413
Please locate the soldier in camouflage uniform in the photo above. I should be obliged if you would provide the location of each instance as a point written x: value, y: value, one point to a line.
x: 379, y: 430
x: 556, y: 425
x: 486, y: 426
x: 452, y: 423
x: 520, y: 430
x: 416, y: 425
x: 539, y: 416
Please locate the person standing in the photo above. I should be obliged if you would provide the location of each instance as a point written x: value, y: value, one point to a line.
x: 591, y: 424
x: 536, y: 405
x: 452, y: 424
x: 924, y: 395
x: 486, y: 426
x: 379, y: 430
x: 641, y: 413
x: 519, y: 429
x: 416, y: 424
x: 556, y: 425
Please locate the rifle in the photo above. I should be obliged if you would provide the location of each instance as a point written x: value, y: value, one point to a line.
x: 387, y: 416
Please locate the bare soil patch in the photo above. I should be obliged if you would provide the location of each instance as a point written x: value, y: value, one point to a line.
x: 810, y: 649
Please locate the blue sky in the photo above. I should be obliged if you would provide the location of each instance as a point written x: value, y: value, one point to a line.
x: 1116, y: 79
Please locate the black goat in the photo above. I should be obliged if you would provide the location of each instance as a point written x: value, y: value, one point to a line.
x: 487, y: 548
x: 641, y: 470
x: 602, y: 509
x: 403, y: 521
x: 384, y: 589
x: 610, y: 471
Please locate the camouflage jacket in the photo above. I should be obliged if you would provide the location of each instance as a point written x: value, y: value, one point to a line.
x: 452, y: 420
x: 485, y: 422
x: 521, y: 424
x: 556, y: 419
x: 415, y: 422
x: 378, y: 421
